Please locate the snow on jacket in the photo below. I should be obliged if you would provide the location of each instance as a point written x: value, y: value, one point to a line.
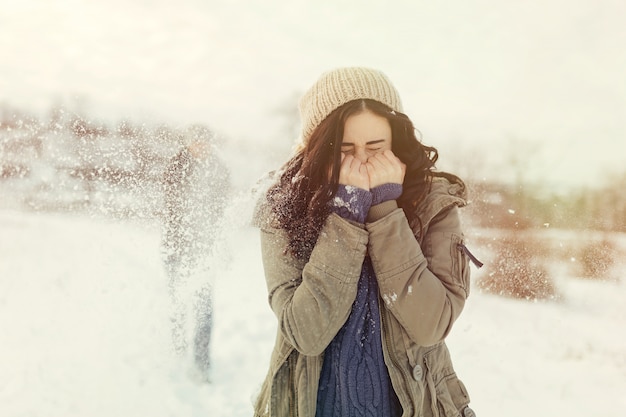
x: 423, y: 283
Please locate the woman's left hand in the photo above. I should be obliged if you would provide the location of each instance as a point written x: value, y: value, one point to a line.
x: 385, y: 168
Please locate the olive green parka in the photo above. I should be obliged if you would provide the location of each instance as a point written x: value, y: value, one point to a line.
x: 423, y: 278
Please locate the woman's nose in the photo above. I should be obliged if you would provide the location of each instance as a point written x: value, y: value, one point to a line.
x: 361, y: 155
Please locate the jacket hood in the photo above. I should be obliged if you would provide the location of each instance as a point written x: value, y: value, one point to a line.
x: 446, y: 191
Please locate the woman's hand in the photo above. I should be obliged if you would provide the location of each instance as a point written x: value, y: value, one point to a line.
x: 353, y: 172
x: 385, y: 168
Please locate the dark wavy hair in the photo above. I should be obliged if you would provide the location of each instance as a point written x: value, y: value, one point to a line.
x: 299, y: 200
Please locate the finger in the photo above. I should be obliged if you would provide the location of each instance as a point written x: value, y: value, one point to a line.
x: 393, y: 159
x: 346, y: 161
x: 344, y: 169
x: 375, y: 162
x: 388, y: 153
x: 363, y: 171
x: 355, y: 163
x: 387, y: 157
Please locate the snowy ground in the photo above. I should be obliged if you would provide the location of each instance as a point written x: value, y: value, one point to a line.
x: 84, y: 328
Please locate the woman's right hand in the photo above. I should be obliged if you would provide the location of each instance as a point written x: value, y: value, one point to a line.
x: 353, y: 172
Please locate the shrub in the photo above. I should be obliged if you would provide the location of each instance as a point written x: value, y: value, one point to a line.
x: 518, y: 271
x: 597, y: 258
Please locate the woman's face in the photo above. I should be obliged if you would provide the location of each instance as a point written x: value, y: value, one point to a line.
x: 365, y: 134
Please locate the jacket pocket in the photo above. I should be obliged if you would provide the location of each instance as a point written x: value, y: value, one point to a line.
x: 447, y: 393
x: 283, y: 401
x: 291, y: 391
x: 451, y: 396
x: 460, y: 263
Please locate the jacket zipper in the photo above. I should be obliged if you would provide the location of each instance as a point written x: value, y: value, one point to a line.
x: 386, y: 336
x: 465, y: 250
x: 432, y: 391
x: 293, y: 409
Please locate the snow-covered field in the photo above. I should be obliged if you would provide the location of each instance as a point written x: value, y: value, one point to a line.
x: 85, y: 331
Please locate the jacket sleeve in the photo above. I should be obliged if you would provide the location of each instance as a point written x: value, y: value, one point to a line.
x: 425, y: 287
x: 312, y: 299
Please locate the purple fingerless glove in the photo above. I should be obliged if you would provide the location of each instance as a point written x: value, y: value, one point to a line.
x: 352, y: 203
x: 386, y: 192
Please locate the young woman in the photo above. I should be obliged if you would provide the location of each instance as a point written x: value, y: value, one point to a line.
x: 364, y: 260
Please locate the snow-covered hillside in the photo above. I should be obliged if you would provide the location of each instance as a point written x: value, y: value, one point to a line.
x: 85, y: 330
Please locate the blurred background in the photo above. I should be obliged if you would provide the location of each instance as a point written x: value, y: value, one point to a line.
x: 524, y: 100
x: 537, y: 82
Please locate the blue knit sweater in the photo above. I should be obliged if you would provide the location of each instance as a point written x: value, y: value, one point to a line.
x: 354, y: 380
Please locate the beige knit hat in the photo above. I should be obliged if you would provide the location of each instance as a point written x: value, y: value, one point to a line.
x: 339, y: 86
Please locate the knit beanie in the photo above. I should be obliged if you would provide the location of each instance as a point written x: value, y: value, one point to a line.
x: 340, y: 86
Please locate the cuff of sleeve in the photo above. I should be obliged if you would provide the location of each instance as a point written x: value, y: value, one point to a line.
x: 379, y: 211
x: 386, y: 192
x: 352, y: 203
